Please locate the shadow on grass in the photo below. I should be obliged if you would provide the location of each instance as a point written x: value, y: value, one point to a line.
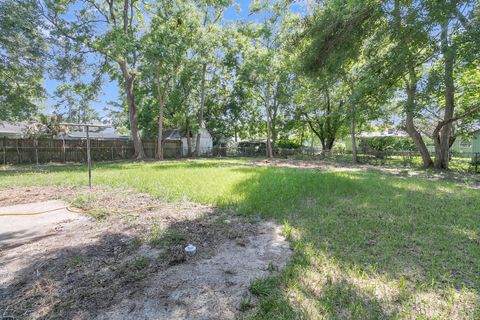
x: 409, y: 235
x: 13, y: 170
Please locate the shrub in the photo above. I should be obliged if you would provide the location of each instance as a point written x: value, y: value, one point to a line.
x: 286, y: 143
x: 383, y: 144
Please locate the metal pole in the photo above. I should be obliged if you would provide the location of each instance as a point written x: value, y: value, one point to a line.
x: 89, y: 160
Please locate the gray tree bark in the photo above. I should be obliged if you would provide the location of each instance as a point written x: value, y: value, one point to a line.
x: 417, y: 138
x: 161, y: 107
x: 443, y: 131
x: 267, y: 108
x: 353, y: 136
x: 132, y: 111
x: 200, y: 113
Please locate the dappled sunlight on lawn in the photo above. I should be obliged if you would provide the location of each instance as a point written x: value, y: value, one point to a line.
x: 327, y: 287
x: 390, y: 243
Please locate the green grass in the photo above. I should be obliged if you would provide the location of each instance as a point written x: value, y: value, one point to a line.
x: 165, y: 238
x: 367, y: 245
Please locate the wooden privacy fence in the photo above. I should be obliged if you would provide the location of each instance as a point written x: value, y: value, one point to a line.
x: 23, y: 151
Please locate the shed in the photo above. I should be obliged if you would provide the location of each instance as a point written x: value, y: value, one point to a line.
x: 206, y: 141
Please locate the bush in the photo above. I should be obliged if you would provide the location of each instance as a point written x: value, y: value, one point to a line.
x: 384, y: 144
x: 288, y: 144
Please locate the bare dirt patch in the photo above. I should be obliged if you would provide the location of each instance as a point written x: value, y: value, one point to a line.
x: 21, y: 195
x: 125, y: 259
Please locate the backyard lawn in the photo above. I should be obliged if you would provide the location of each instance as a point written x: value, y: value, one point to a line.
x: 367, y: 244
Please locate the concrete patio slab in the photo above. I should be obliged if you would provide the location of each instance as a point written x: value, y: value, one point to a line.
x: 16, y: 228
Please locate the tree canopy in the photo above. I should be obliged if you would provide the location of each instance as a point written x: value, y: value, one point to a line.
x: 285, y: 71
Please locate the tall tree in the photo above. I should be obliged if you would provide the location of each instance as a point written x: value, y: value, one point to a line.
x: 265, y: 66
x: 401, y: 41
x: 170, y: 37
x: 109, y: 28
x: 73, y: 103
x: 324, y: 110
x: 23, y: 53
x: 206, y: 49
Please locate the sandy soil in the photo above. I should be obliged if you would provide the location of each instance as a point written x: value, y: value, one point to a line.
x: 112, y: 269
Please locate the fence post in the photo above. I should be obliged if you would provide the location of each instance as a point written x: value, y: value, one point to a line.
x: 64, y: 150
x: 35, y: 142
x: 18, y: 152
x: 4, y: 151
x: 477, y: 160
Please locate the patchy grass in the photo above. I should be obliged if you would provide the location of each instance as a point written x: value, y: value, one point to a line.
x: 367, y: 245
x: 86, y: 202
x: 246, y: 304
x: 165, y: 238
x: 140, y: 263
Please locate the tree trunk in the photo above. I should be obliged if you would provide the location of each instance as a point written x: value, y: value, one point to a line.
x: 200, y: 113
x: 352, y: 134
x: 324, y: 144
x: 189, y: 144
x: 274, y: 135
x: 132, y: 111
x: 443, y: 132
x: 302, y: 135
x: 161, y: 105
x: 273, y: 123
x: 267, y: 109
x: 416, y: 137
x: 329, y: 144
x: 159, y: 154
x: 411, y: 90
x: 418, y: 141
x: 189, y: 138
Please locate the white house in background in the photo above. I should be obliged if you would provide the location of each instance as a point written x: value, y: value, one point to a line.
x: 206, y: 141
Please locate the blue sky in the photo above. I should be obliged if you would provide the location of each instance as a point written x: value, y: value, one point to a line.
x: 110, y: 90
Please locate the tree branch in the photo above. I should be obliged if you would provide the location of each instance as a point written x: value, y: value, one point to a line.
x: 443, y: 123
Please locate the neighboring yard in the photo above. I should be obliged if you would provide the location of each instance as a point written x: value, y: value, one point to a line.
x: 367, y: 244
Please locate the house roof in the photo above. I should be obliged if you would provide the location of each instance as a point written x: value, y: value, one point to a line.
x: 101, y: 135
x: 13, y: 128
x: 175, y: 134
x: 172, y: 135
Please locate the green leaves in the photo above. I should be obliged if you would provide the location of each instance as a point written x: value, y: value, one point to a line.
x: 334, y: 34
x: 22, y: 63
